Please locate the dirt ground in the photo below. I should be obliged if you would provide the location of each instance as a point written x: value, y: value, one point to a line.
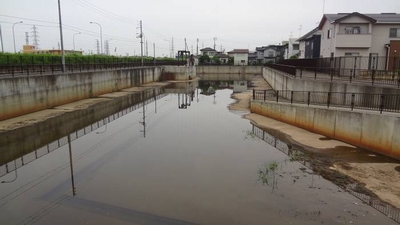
x: 337, y: 161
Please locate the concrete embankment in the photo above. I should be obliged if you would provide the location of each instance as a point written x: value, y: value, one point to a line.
x: 228, y: 73
x: 369, y: 130
x: 23, y: 95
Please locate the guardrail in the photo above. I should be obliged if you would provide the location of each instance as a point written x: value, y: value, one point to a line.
x: 353, y: 74
x: 375, y: 102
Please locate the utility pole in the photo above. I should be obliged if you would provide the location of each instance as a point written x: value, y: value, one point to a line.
x: 141, y: 42
x: 173, y: 52
x: 197, y: 47
x: 215, y: 38
x: 154, y: 52
x: 1, y: 37
x: 61, y: 37
x: 147, y: 49
x: 27, y: 38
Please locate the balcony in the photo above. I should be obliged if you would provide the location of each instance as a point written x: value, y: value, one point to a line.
x: 353, y: 40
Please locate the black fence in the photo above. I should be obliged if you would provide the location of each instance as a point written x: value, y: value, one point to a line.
x: 372, y: 70
x: 376, y: 102
x: 21, y: 65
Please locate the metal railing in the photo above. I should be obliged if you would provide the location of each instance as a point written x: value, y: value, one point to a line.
x: 372, y: 70
x: 375, y: 102
x: 39, y: 65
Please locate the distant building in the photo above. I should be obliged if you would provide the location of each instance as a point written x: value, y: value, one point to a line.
x: 241, y: 56
x: 208, y: 51
x: 32, y: 49
x: 270, y: 53
x: 310, y: 44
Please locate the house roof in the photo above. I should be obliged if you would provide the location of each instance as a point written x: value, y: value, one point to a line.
x: 308, y: 35
x: 240, y: 51
x: 373, y: 18
x: 208, y: 49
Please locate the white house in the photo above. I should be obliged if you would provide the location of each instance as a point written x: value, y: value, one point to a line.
x: 292, y: 49
x: 208, y: 51
x: 356, y: 34
x: 240, y: 56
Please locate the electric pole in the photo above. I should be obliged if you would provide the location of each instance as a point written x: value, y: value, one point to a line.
x: 214, y: 41
x: 197, y: 47
x: 61, y: 37
x: 173, y: 52
x: 1, y: 37
x: 141, y: 42
x: 147, y: 49
x: 154, y: 52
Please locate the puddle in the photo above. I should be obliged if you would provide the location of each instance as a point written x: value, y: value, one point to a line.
x: 159, y: 163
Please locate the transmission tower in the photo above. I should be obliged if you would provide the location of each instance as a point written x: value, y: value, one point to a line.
x: 215, y: 38
x: 147, y: 49
x: 107, y: 48
x: 97, y: 46
x: 27, y: 38
x: 173, y: 52
x: 35, y: 35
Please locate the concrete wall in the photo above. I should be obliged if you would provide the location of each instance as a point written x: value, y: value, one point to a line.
x: 376, y: 132
x: 23, y: 95
x: 248, y: 70
x: 179, y: 72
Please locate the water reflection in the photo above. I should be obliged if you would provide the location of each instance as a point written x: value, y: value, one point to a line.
x: 16, y: 153
x: 269, y: 173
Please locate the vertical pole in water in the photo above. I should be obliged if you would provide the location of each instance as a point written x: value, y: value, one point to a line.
x: 71, y: 166
x: 144, y: 116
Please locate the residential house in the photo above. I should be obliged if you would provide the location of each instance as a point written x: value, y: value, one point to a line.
x: 252, y: 58
x: 292, y: 48
x: 260, y: 54
x: 241, y: 56
x: 356, y: 34
x: 310, y: 44
x: 223, y: 58
x: 208, y: 51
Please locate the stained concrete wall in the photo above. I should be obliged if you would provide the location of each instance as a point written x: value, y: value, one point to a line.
x: 228, y: 73
x: 179, y: 73
x: 373, y: 131
x: 23, y: 95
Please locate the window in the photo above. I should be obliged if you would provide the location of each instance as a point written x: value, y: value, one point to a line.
x: 394, y: 32
x: 351, y: 54
x: 270, y: 54
x: 295, y: 46
x: 353, y: 30
x: 329, y: 35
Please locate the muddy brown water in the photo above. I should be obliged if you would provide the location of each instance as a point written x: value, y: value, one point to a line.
x: 197, y: 165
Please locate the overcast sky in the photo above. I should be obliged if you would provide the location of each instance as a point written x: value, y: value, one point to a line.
x: 235, y: 23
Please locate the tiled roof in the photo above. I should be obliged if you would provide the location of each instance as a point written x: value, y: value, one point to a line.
x: 380, y: 18
x: 208, y: 49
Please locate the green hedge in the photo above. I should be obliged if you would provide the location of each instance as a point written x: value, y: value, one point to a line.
x: 29, y: 59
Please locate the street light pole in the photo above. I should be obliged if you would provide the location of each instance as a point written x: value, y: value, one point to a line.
x: 73, y: 39
x: 61, y: 38
x: 15, y: 51
x: 170, y: 51
x: 101, y: 36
